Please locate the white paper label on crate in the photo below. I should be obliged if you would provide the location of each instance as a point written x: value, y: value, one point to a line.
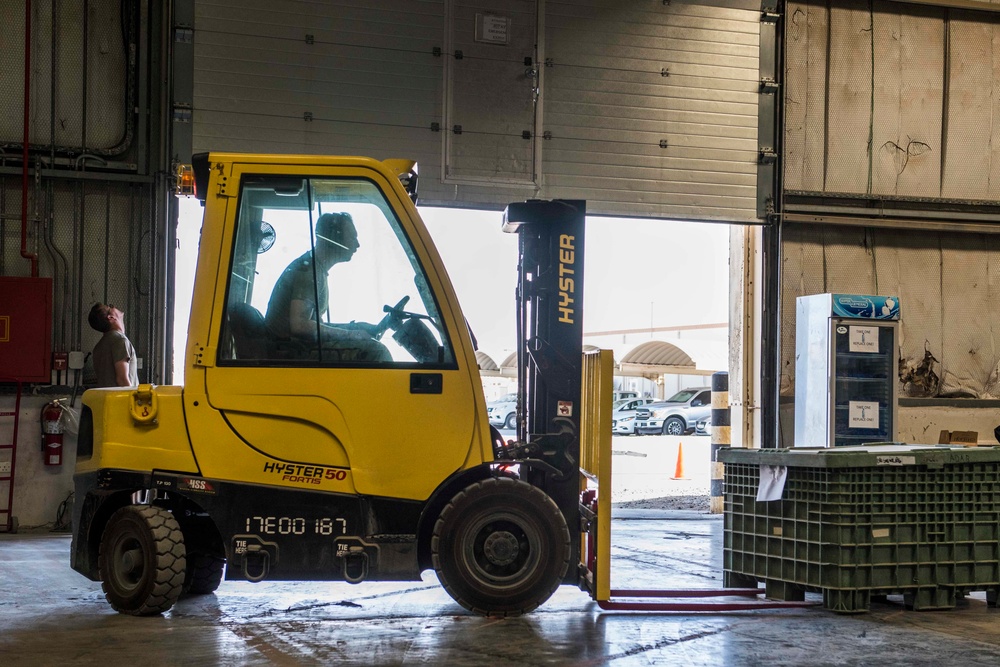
x: 895, y: 460
x: 863, y: 339
x: 880, y: 532
x: 862, y: 414
x: 772, y: 482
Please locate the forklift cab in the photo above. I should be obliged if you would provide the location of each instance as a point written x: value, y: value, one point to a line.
x: 327, y: 344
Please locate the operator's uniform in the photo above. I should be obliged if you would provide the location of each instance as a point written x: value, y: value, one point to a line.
x: 301, y: 281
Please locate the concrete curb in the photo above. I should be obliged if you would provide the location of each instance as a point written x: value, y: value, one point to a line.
x: 662, y: 514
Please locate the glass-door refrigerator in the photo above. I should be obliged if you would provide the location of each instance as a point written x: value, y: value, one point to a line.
x: 845, y: 369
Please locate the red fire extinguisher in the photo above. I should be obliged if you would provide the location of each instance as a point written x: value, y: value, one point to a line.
x: 52, y: 433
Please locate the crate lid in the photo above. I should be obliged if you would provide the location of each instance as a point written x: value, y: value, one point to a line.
x: 870, y: 455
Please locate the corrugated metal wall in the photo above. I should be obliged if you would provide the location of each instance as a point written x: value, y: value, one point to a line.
x: 82, y: 61
x: 643, y: 108
x: 96, y: 240
x: 93, y: 189
x: 892, y: 99
x: 948, y: 285
x: 891, y: 182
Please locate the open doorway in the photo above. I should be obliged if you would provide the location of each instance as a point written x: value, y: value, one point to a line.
x: 647, y: 281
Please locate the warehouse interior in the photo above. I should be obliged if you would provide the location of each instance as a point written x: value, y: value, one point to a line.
x: 847, y: 146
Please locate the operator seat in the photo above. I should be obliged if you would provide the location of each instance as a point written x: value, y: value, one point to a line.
x: 250, y: 335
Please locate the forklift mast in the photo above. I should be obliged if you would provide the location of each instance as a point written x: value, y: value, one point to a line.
x: 550, y: 344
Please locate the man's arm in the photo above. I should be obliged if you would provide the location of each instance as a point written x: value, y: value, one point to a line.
x: 300, y: 319
x: 121, y: 373
x: 302, y: 325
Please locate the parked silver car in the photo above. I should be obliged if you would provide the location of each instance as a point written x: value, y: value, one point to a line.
x: 503, y: 411
x: 703, y: 427
x: 623, y: 415
x: 677, y: 415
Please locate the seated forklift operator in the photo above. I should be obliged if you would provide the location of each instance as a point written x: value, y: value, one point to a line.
x: 300, y: 299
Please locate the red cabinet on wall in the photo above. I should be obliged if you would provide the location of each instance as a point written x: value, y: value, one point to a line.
x: 26, y: 328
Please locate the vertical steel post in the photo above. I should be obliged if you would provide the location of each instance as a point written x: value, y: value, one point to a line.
x: 720, y: 437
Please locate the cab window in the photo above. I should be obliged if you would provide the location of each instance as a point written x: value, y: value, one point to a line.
x: 322, y: 274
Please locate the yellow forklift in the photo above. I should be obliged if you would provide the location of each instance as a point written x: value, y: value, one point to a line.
x: 332, y: 424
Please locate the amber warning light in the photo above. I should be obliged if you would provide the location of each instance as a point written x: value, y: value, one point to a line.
x: 185, y: 181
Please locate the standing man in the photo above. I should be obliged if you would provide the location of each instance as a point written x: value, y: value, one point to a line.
x: 114, y: 356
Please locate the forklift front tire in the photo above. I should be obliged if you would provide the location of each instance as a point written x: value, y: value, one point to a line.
x: 142, y: 560
x: 501, y: 547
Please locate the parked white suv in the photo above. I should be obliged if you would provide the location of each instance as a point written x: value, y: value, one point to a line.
x: 623, y: 414
x: 503, y: 412
x: 677, y: 415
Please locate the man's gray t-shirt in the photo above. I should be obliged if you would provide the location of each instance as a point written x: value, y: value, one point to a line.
x: 298, y: 282
x: 113, y: 347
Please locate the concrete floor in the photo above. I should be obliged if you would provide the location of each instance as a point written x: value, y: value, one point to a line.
x: 50, y: 615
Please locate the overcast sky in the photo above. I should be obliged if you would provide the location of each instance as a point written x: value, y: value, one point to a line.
x: 638, y: 273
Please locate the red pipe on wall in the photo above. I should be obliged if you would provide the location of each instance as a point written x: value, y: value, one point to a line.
x: 24, y: 180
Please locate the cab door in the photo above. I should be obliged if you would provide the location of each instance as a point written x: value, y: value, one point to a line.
x: 333, y: 408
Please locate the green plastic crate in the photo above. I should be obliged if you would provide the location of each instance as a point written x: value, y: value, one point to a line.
x: 872, y: 520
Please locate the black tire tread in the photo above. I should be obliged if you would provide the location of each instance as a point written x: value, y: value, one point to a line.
x: 170, y: 561
x: 204, y: 573
x: 543, y: 501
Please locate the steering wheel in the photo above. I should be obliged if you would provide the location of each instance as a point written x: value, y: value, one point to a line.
x: 394, y: 316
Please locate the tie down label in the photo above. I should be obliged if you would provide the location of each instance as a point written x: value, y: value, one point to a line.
x: 305, y: 474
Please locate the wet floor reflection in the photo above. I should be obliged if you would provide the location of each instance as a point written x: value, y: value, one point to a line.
x: 51, y: 615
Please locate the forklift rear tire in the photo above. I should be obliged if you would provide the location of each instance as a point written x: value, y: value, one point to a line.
x: 203, y: 574
x: 142, y: 560
x: 501, y: 547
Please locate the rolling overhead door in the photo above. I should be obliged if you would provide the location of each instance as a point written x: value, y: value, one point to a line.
x: 316, y: 77
x: 643, y: 108
x: 652, y: 107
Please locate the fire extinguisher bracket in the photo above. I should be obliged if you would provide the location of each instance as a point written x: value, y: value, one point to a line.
x: 144, y: 405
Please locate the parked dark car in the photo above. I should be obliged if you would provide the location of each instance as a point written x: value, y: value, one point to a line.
x: 677, y: 415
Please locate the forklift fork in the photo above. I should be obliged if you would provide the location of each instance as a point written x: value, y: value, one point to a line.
x: 595, y: 515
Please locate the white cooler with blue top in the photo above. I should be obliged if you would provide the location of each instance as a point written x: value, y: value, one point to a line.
x: 845, y: 369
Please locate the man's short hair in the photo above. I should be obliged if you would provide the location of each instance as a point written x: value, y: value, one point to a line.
x: 331, y: 226
x: 98, y: 317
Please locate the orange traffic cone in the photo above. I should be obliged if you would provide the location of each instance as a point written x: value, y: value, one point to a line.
x: 679, y: 469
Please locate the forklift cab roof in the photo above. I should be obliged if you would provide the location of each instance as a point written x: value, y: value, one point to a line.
x: 405, y: 171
